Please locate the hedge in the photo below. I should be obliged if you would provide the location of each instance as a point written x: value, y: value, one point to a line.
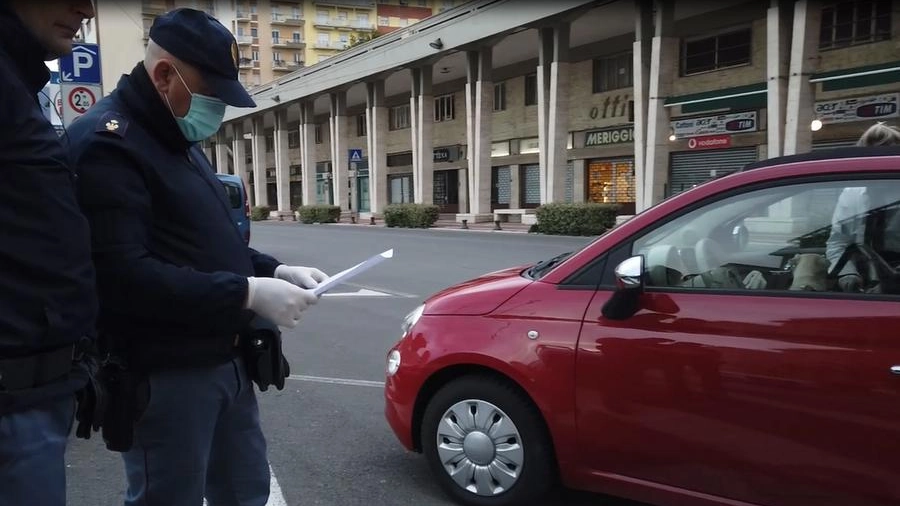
x: 320, y: 213
x: 575, y: 219
x: 260, y: 213
x: 410, y: 215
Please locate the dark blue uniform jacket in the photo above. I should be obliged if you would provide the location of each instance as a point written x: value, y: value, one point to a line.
x: 47, y: 298
x: 171, y: 265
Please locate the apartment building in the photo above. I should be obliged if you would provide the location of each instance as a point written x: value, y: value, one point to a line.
x: 395, y: 14
x: 275, y: 37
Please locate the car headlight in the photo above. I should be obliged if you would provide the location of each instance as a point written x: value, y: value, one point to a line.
x: 393, y: 362
x: 411, y: 319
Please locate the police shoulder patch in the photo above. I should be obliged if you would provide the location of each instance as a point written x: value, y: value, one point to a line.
x: 113, y: 123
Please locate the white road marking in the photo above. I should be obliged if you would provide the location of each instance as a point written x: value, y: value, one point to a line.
x: 395, y: 293
x: 337, y: 381
x: 276, y: 498
x: 363, y: 292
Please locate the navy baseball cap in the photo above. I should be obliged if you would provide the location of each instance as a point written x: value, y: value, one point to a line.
x: 201, y: 41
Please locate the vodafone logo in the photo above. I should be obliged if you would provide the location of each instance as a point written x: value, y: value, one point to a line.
x: 709, y: 142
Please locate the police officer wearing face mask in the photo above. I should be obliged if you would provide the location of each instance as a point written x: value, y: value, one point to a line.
x: 175, y: 279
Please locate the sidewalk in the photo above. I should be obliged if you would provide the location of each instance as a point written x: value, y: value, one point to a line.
x: 442, y: 224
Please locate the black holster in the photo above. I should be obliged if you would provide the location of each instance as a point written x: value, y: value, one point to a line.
x: 127, y: 397
x: 262, y: 353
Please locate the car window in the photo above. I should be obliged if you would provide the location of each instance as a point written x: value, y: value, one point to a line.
x: 801, y: 236
x: 234, y: 195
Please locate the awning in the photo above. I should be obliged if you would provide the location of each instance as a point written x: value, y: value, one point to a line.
x: 870, y: 75
x: 751, y: 96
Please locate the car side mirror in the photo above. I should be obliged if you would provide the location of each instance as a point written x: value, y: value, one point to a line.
x: 624, y: 302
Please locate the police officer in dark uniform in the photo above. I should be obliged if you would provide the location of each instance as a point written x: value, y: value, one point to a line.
x: 177, y: 284
x: 47, y: 299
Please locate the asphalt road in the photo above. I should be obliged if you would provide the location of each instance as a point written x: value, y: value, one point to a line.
x: 328, y: 441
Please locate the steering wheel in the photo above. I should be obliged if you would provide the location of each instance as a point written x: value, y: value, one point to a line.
x: 880, y: 274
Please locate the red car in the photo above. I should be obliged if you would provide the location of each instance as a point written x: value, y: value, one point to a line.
x: 709, y: 351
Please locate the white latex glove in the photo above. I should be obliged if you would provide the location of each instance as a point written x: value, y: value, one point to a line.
x: 277, y: 300
x: 304, y: 277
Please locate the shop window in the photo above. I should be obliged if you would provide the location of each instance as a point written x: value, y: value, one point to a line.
x: 500, y: 96
x: 531, y: 89
x: 720, y: 51
x: 610, y: 181
x: 444, y: 108
x: 400, y: 188
x: 848, y: 23
x: 399, y: 117
x: 613, y: 73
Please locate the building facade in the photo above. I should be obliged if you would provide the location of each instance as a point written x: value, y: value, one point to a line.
x: 275, y: 37
x: 623, y: 102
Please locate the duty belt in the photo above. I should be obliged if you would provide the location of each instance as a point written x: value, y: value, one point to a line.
x: 35, y: 370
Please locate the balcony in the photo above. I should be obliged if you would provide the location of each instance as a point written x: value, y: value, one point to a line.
x: 243, y: 40
x: 286, y: 66
x: 358, y: 4
x: 344, y: 24
x: 242, y: 17
x: 337, y: 46
x: 282, y: 19
x: 279, y: 43
x: 295, y: 43
x: 245, y: 63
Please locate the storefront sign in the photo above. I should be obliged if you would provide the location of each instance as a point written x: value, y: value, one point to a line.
x: 448, y: 154
x: 532, y: 145
x: 500, y: 148
x: 711, y: 125
x: 858, y: 109
x: 709, y: 142
x: 608, y: 136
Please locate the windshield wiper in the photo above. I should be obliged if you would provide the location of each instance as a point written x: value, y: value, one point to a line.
x: 544, y: 265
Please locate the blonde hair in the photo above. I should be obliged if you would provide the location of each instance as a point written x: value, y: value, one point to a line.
x: 880, y: 134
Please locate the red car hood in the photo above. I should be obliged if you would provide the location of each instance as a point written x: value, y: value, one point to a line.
x: 478, y: 296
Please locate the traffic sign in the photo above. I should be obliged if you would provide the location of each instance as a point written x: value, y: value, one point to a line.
x: 356, y: 155
x: 77, y: 99
x: 82, y: 65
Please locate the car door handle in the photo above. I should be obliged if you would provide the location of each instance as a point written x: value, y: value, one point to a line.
x: 895, y: 369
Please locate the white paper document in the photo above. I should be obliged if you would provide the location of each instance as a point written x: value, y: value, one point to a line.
x: 345, y: 275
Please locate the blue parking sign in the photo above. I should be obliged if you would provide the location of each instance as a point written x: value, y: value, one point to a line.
x: 82, y: 65
x: 355, y: 155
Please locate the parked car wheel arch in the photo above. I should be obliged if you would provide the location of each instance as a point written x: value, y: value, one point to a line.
x: 440, y: 378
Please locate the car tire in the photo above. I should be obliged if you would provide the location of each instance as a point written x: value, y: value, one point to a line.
x: 486, y: 443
